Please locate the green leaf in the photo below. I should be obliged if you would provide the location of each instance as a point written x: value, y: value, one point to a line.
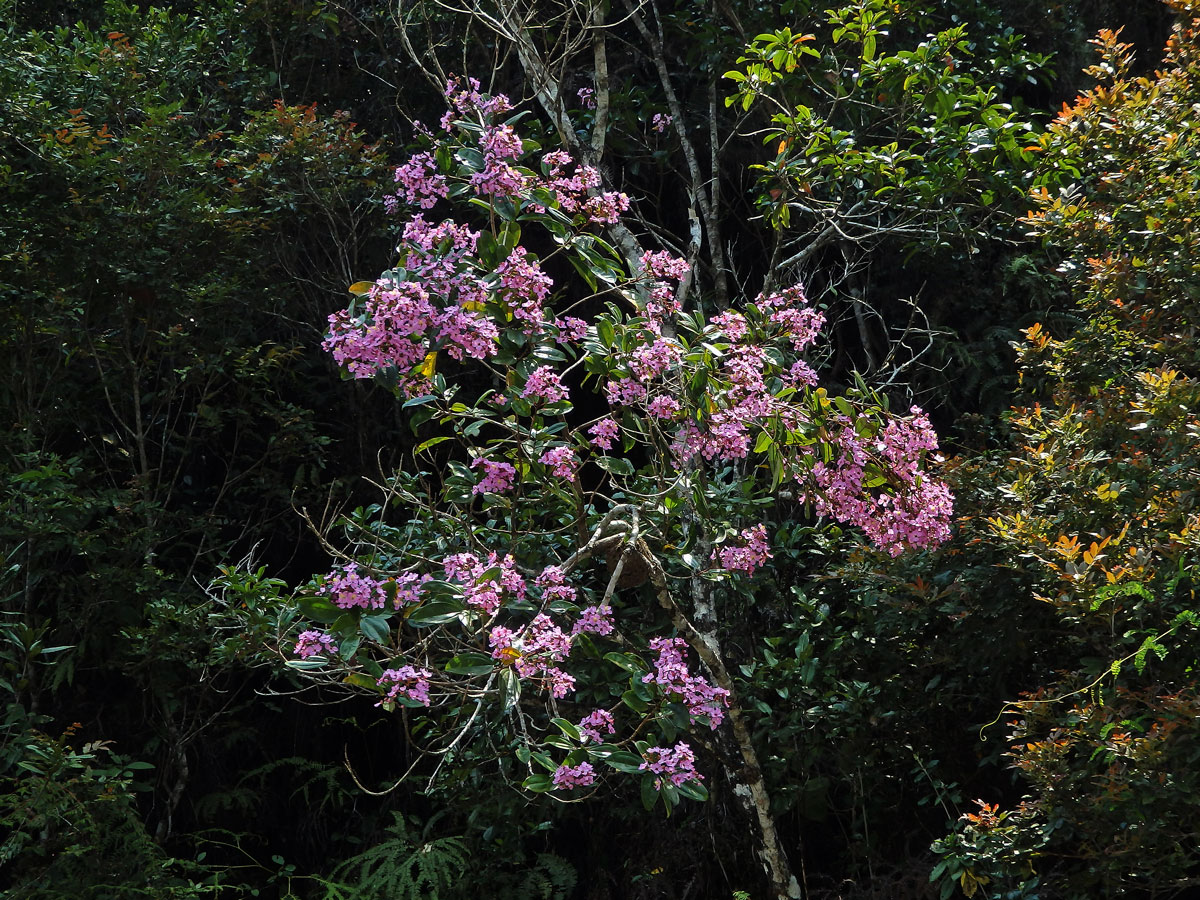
x: 634, y: 702
x: 650, y: 793
x: 617, y: 465
x: 510, y: 689
x: 319, y: 609
x: 538, y: 783
x: 470, y: 664
x: 623, y: 761
x: 432, y: 442
x: 375, y: 628
x: 568, y: 729
x: 626, y: 661
x: 313, y: 662
x: 435, y: 612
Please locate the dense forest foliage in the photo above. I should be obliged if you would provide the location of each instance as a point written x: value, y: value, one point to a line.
x: 724, y: 450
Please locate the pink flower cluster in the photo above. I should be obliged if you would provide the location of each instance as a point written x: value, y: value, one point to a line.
x: 314, y: 643
x: 672, y: 676
x: 791, y: 312
x: 652, y: 360
x: 661, y: 269
x: 401, y: 323
x: 594, y: 620
x: 578, y: 193
x: 566, y: 777
x: 748, y: 368
x: 661, y: 122
x: 408, y: 588
x: 420, y: 181
x: 590, y: 725
x: 663, y: 266
x: 405, y: 682
x: 465, y: 99
x: 570, y: 329
x: 554, y: 585
x: 481, y: 593
x: 663, y: 407
x: 441, y: 304
x: 524, y: 287
x: 604, y: 433
x: 350, y: 590
x: 533, y: 650
x: 676, y: 765
x: 544, y: 384
x: 498, y: 477
x: 499, y: 144
x: 561, y: 460
x: 917, y: 511
x: 752, y: 553
x: 625, y: 392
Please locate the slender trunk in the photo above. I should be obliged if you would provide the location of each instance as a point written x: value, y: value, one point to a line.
x: 747, y: 781
x: 701, y: 187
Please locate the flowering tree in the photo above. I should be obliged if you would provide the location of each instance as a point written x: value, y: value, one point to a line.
x: 587, y: 444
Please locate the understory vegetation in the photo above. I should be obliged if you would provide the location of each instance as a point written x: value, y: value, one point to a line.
x: 600, y: 449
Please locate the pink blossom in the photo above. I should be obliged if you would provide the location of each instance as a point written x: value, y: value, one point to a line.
x: 542, y: 636
x: 405, y: 683
x: 544, y: 384
x: 524, y: 287
x: 801, y: 373
x: 408, y: 588
x: 663, y: 407
x: 461, y: 566
x: 661, y: 122
x: 587, y: 97
x: 591, y: 724
x: 559, y: 683
x: 662, y: 306
x: 606, y: 208
x: 422, y: 183
x: 503, y: 643
x: 465, y: 98
x: 561, y: 460
x: 567, y: 777
x: 349, y: 590
x: 594, y: 620
x: 651, y: 360
x: 750, y: 555
x: 553, y: 584
x: 498, y: 179
x: 801, y: 325
x: 624, y: 392
x: 498, y: 477
x: 314, y: 643
x: 914, y: 514
x: 604, y: 433
x: 672, y: 676
x: 661, y: 264
x: 732, y: 323
x: 500, y: 141
x: 556, y: 160
x: 571, y: 329
x: 485, y: 594
x: 676, y: 765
